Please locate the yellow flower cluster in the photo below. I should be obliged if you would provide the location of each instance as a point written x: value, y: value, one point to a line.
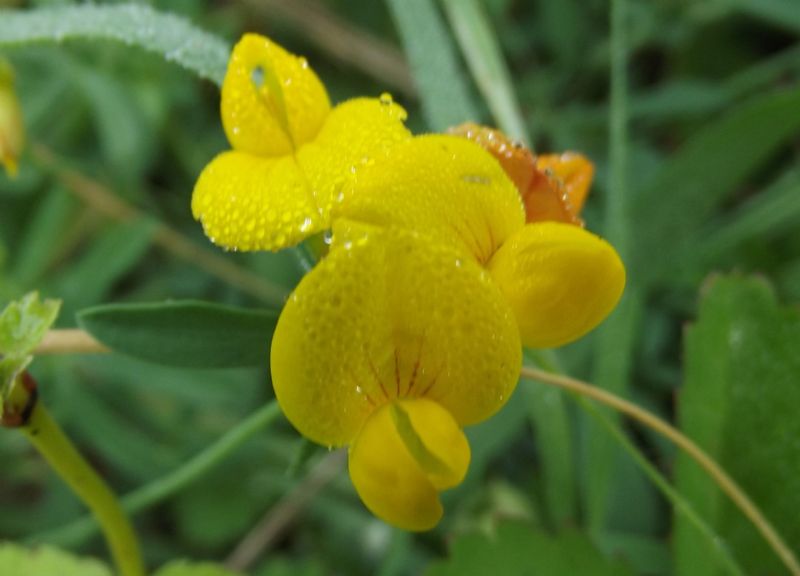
x: 411, y: 327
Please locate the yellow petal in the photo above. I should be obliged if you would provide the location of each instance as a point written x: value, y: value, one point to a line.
x: 272, y: 102
x: 391, y: 314
x: 357, y: 133
x: 247, y: 202
x: 445, y: 186
x: 405, y: 452
x: 561, y: 281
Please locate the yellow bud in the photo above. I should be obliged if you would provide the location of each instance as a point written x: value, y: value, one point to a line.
x: 12, y: 132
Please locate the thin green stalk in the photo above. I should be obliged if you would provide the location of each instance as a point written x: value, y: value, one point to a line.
x: 721, y: 478
x: 617, y: 220
x: 674, y: 497
x: 614, y: 346
x: 547, y: 360
x: 80, y: 530
x: 48, y: 438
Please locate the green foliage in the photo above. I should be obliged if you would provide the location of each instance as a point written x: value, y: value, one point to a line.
x: 446, y: 97
x: 710, y: 183
x: 740, y: 403
x: 46, y: 561
x: 184, y: 568
x: 132, y: 24
x: 707, y: 169
x: 185, y: 334
x: 24, y: 323
x: 517, y: 550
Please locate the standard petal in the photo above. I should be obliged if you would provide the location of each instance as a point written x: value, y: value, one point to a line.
x: 272, y: 102
x: 357, y: 133
x: 246, y: 202
x: 445, y: 186
x: 560, y: 280
x: 404, y: 454
x: 391, y: 314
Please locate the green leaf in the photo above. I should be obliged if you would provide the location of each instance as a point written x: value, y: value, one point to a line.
x: 24, y: 323
x: 783, y: 13
x: 672, y: 209
x: 483, y: 56
x: 189, y: 334
x: 740, y: 403
x: 37, y: 248
x: 184, y: 568
x: 518, y: 550
x: 119, y: 119
x: 774, y: 211
x: 46, y: 561
x: 170, y: 36
x: 440, y: 79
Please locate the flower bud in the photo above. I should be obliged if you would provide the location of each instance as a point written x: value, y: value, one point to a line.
x: 12, y: 132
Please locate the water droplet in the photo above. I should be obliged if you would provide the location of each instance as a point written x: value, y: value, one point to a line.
x: 303, y: 63
x: 306, y: 225
x: 327, y: 237
x: 458, y: 262
x: 386, y: 99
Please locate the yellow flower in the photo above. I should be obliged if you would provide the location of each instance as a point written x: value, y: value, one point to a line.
x: 12, y: 133
x: 292, y: 153
x: 391, y: 344
x: 560, y: 280
x: 412, y: 326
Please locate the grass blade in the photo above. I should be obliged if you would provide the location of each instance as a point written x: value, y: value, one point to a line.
x: 440, y: 79
x: 485, y: 60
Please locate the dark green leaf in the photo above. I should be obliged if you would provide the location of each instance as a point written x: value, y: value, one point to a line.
x: 189, y: 334
x: 740, y: 402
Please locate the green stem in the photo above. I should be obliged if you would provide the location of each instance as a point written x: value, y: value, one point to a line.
x: 78, y: 531
x: 675, y: 498
x: 721, y: 478
x: 48, y: 438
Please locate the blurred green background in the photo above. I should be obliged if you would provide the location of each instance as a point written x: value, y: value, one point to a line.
x: 701, y: 178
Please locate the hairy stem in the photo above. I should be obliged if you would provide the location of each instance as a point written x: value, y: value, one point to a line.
x: 720, y: 477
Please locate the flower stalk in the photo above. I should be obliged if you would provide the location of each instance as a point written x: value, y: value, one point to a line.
x: 47, y: 437
x: 727, y: 484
